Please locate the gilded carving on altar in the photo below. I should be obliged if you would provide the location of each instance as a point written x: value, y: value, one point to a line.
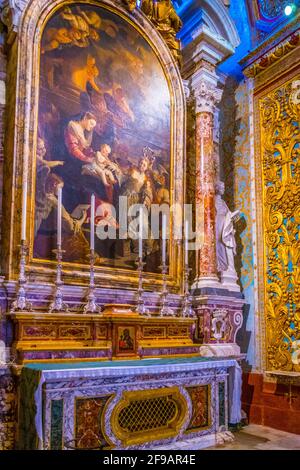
x: 102, y: 128
x: 280, y: 153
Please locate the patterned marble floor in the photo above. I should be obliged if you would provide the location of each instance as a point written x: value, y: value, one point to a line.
x: 254, y: 437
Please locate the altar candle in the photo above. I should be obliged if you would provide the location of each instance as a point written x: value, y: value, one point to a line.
x: 164, y: 229
x: 92, y: 220
x: 141, y: 235
x: 186, y: 251
x: 59, y: 207
x: 24, y: 211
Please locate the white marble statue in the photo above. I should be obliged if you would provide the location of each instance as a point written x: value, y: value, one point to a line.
x: 225, y: 238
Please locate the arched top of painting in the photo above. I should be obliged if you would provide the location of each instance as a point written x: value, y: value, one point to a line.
x: 93, y: 26
x: 105, y: 47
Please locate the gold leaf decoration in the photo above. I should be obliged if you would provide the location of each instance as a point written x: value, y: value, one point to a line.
x: 280, y: 152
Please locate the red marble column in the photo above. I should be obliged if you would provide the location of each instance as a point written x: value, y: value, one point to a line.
x: 206, y: 258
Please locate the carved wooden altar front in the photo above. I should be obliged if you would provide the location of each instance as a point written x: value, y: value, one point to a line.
x: 118, y: 333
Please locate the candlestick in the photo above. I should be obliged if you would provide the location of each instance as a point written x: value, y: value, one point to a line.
x: 186, y: 251
x: 91, y: 306
x: 24, y: 212
x: 58, y: 305
x: 92, y: 223
x: 21, y: 303
x: 187, y: 310
x: 141, y: 235
x: 165, y: 310
x: 59, y: 211
x: 164, y: 229
x: 140, y: 308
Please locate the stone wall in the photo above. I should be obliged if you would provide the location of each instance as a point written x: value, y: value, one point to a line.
x: 7, y: 409
x: 235, y: 171
x: 7, y: 380
x: 2, y: 112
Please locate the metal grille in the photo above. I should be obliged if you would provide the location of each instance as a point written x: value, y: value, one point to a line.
x: 151, y: 413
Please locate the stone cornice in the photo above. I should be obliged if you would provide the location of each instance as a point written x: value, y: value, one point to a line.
x: 207, y: 48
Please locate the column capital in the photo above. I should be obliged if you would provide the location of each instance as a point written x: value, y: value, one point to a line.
x: 204, y: 86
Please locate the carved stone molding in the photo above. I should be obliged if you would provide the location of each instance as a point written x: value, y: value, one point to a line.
x: 186, y: 89
x: 204, y: 84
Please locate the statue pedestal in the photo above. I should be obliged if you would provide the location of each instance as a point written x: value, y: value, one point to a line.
x: 220, y: 316
x: 229, y: 277
x: 229, y: 281
x: 220, y: 350
x: 204, y: 282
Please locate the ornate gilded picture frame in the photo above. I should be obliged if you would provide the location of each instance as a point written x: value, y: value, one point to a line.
x: 70, y: 75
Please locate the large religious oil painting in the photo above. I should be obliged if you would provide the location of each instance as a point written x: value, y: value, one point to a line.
x: 103, y: 128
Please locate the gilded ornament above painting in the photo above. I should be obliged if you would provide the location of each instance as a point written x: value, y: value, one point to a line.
x: 164, y: 18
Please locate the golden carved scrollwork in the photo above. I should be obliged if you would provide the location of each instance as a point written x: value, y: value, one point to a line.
x: 280, y: 153
x: 163, y: 16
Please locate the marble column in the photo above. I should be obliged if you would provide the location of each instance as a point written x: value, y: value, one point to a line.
x: 207, y: 96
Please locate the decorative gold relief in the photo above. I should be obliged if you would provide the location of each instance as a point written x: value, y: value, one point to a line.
x: 164, y: 18
x: 178, y: 331
x: 280, y: 150
x: 101, y: 332
x: 148, y: 415
x: 272, y: 56
x: 42, y: 331
x: 154, y: 332
x: 74, y: 331
x: 99, y: 336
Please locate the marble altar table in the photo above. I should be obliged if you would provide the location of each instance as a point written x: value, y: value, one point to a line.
x: 135, y: 404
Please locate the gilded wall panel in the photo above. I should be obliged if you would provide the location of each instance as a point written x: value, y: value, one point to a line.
x: 279, y: 111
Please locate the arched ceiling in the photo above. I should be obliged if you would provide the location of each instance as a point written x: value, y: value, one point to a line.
x: 240, y: 25
x: 212, y: 14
